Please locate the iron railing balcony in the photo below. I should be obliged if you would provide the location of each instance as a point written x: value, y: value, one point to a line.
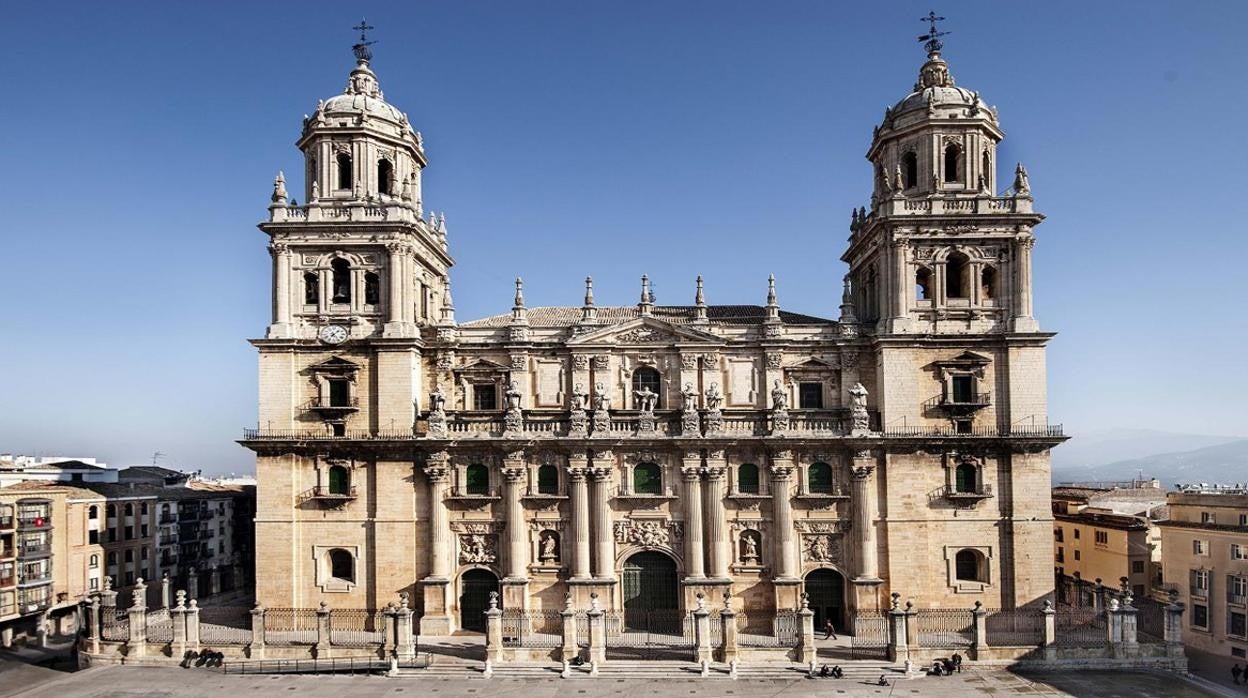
x: 328, y: 493
x: 34, y: 523
x: 332, y: 408
x: 24, y: 580
x: 167, y: 519
x: 42, y: 550
x: 968, y: 495
x: 6, y: 522
x: 958, y: 404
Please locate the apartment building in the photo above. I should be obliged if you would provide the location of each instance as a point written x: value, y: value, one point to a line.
x: 1104, y: 533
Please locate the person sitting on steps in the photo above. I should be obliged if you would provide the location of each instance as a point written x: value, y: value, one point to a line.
x: 837, y: 673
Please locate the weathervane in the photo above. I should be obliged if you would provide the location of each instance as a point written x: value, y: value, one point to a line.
x: 932, y: 37
x: 361, y: 50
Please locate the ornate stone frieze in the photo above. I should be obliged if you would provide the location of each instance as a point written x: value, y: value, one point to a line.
x: 688, y: 362
x: 649, y: 532
x: 821, y: 547
x: 601, y: 362
x: 642, y: 335
x: 774, y: 359
x: 478, y: 549
x: 821, y: 525
x: 580, y: 362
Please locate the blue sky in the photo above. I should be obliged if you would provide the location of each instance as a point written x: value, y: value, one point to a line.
x: 140, y: 141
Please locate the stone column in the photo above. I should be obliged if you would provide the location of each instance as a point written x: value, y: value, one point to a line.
x: 493, y: 633
x: 729, y: 651
x: 692, y: 473
x: 864, y: 517
x: 702, y: 632
x: 164, y: 590
x: 257, y: 632
x: 597, y: 633
x: 391, y: 632
x: 137, y: 646
x: 94, y: 621
x: 568, y: 647
x: 192, y: 625
x: 786, y: 548
x: 1050, y: 631
x: 514, y: 474
x: 394, y: 304
x: 979, y: 643
x: 604, y: 537
x: 322, y: 629
x: 898, y: 648
x: 177, y: 616
x: 1174, y: 628
x: 436, y: 619
x: 1023, y: 320
x: 404, y: 647
x: 326, y: 291
x: 719, y: 546
x: 580, y: 516
x: 192, y: 584
x: 281, y: 285
x: 806, y: 640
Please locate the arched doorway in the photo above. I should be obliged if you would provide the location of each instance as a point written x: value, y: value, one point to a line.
x: 826, y: 592
x: 474, y: 598
x: 651, y: 591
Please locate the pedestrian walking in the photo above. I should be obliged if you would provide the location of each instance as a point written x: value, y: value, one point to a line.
x: 829, y: 630
x: 957, y: 662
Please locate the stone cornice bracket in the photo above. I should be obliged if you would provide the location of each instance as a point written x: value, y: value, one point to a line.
x: 437, y: 467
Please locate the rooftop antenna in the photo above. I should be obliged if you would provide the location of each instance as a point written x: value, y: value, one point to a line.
x: 932, y: 37
x: 360, y: 49
x: 156, y: 456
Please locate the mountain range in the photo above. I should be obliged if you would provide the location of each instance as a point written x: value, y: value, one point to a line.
x: 1173, y: 458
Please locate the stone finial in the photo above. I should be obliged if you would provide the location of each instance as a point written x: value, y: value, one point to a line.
x: 519, y: 315
x: 896, y: 601
x: 567, y: 602
x: 403, y: 600
x: 699, y: 303
x: 646, y: 306
x: 849, y: 314
x: 493, y: 600
x: 193, y: 605
x: 108, y: 583
x: 701, y: 601
x: 316, y: 191
x: 589, y: 313
x: 181, y: 597
x: 805, y: 601
x: 324, y: 607
x: 442, y: 224
x: 406, y: 191
x: 593, y: 602
x: 1022, y: 186
x: 448, y: 305
x: 1048, y: 605
x: 899, y: 182
x: 279, y: 188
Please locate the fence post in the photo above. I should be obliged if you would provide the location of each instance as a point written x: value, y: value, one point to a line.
x: 912, y: 628
x: 806, y: 641
x: 192, y: 584
x: 1050, y: 631
x: 137, y: 646
x: 164, y: 590
x: 597, y: 636
x: 1174, y: 626
x: 403, y: 645
x: 702, y: 632
x: 980, y: 643
x: 192, y: 625
x: 728, y: 630
x: 93, y: 619
x: 257, y: 632
x: 568, y: 649
x: 390, y: 637
x: 177, y: 615
x: 108, y: 597
x: 322, y: 629
x: 493, y: 633
x: 1130, y: 638
x: 898, y: 650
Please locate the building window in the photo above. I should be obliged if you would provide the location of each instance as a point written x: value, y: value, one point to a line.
x: 93, y: 583
x: 1076, y: 534
x: 747, y: 478
x: 143, y: 531
x: 344, y: 170
x: 129, y: 533
x: 1061, y: 554
x: 143, y: 554
x: 965, y: 477
x: 963, y: 388
x: 339, y: 392
x: 372, y: 288
x: 129, y: 554
x: 810, y: 396
x: 339, y: 480
x: 1243, y: 519
x: 963, y: 426
x: 910, y: 169
x: 986, y: 168
x: 646, y: 378
x: 1077, y: 555
x: 341, y: 565
x: 1200, y: 547
x: 1102, y: 537
x: 129, y: 509
x: 1200, y: 582
x: 647, y: 479
x: 1239, y: 552
x: 1236, y: 589
x: 484, y: 396
x: 1059, y: 535
x: 477, y: 480
x: 142, y: 508
x: 1206, y: 517
x: 95, y: 562
x: 311, y: 288
x: 955, y: 275
x: 93, y: 512
x: 971, y: 566
x: 1137, y: 567
x: 112, y: 559
x: 547, y: 479
x: 1200, y: 616
x: 923, y: 284
x: 340, y: 272
x: 385, y: 177
x: 988, y: 283
x: 819, y: 478
x: 953, y: 161
x: 111, y: 511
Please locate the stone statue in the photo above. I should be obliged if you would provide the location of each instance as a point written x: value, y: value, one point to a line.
x: 714, y: 400
x: 690, y: 398
x: 858, y: 408
x: 437, y: 401
x: 513, y: 396
x: 549, y: 547
x: 602, y: 399
x: 749, y: 548
x: 645, y: 398
x: 779, y: 397
x: 579, y: 397
x: 1022, y: 187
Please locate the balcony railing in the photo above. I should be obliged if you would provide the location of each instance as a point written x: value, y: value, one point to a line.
x: 36, y: 550
x: 32, y: 579
x: 168, y: 519
x: 326, y: 406
x: 34, y: 522
x: 8, y: 581
x: 1236, y: 599
x: 6, y: 522
x: 984, y: 491
x: 963, y: 404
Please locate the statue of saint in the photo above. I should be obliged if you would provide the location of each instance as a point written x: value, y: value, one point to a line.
x: 779, y: 397
x: 579, y: 397
x: 645, y: 398
x: 437, y: 401
x: 602, y: 400
x: 714, y: 400
x: 690, y: 397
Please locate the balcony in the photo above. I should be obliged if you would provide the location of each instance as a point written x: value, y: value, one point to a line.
x: 957, y: 405
x: 30, y: 580
x: 1236, y: 599
x: 35, y: 551
x: 967, y: 497
x: 6, y: 522
x: 330, y: 409
x: 34, y: 523
x: 168, y: 519
x: 324, y: 493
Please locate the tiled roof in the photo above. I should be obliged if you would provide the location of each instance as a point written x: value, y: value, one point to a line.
x: 567, y: 316
x: 118, y: 490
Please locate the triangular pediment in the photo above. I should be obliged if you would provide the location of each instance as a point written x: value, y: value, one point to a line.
x: 335, y: 363
x: 812, y: 364
x: 965, y: 359
x: 646, y: 331
x: 483, y: 366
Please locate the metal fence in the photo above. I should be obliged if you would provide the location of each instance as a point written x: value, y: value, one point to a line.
x: 224, y: 625
x: 535, y: 629
x: 944, y: 628
x: 115, y: 625
x: 159, y: 626
x: 1080, y: 627
x: 357, y: 627
x: 290, y: 626
x: 767, y: 629
x: 1150, y: 620
x: 870, y: 638
x: 1014, y: 627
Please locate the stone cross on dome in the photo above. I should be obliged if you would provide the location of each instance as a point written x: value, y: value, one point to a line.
x: 361, y: 48
x: 932, y: 37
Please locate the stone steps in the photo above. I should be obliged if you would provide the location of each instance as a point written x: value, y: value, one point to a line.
x: 644, y: 670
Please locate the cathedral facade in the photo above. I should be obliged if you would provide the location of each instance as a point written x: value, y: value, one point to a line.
x: 647, y: 453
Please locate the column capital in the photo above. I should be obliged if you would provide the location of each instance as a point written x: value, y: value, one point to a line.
x: 514, y: 459
x: 576, y: 473
x: 691, y: 473
x: 715, y: 472
x: 781, y: 471
x: 599, y: 473
x: 514, y: 473
x: 437, y: 472
x: 716, y: 455
x: 862, y: 472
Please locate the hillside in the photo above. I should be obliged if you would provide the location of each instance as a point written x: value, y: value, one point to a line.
x: 1223, y: 462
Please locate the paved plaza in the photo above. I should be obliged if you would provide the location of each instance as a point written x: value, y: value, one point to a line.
x: 114, y: 681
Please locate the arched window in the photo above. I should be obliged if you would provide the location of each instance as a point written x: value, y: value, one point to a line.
x: 477, y: 479
x: 311, y: 288
x: 93, y: 512
x: 647, y: 479
x: 111, y: 511
x: 955, y: 275
x: 372, y: 288
x: 986, y: 168
x: 869, y: 297
x: 910, y: 169
x: 339, y: 480
x: 988, y: 283
x: 965, y: 477
x: 341, y: 565
x: 129, y: 509
x: 969, y: 566
x: 923, y: 284
x: 819, y: 478
x: 341, y: 272
x: 879, y: 178
x: 648, y: 378
x: 345, y: 178
x: 112, y: 558
x: 385, y: 177
x: 953, y: 158
x: 94, y: 562
x: 747, y: 478
x: 547, y: 479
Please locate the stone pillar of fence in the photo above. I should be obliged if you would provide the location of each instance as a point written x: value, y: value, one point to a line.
x: 1173, y: 628
x: 108, y: 597
x: 322, y: 629
x: 898, y: 650
x: 1128, y: 612
x: 597, y: 632
x: 93, y: 620
x: 1099, y: 596
x: 191, y: 614
x: 192, y: 584
x: 404, y: 647
x: 1113, y: 626
x: 568, y: 648
x: 806, y: 638
x: 912, y: 628
x: 702, y: 632
x: 728, y: 632
x: 257, y: 632
x: 214, y: 581
x: 137, y: 646
x: 177, y: 615
x: 979, y: 643
x: 1050, y: 631
x: 493, y: 632
x: 164, y: 590
x: 390, y: 634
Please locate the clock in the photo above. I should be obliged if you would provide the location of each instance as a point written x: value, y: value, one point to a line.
x: 333, y: 334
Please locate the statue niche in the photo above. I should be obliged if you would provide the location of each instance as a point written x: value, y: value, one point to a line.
x: 749, y: 546
x: 548, y: 547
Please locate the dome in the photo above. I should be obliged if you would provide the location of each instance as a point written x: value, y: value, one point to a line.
x: 362, y: 97
x: 935, y: 90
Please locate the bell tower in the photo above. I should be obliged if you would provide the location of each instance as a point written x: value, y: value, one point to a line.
x: 940, y: 252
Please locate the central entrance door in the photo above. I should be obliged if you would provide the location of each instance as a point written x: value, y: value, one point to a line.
x: 474, y: 598
x: 826, y: 590
x: 651, y: 625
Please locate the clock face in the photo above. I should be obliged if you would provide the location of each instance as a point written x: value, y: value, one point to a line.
x: 333, y: 334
